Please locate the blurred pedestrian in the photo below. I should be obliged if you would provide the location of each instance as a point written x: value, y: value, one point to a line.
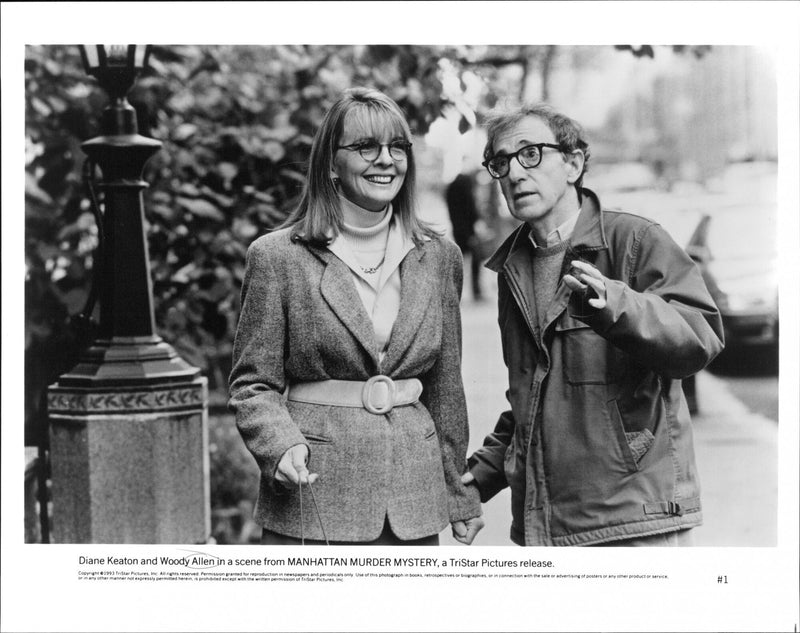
x: 464, y: 215
x: 352, y: 309
x: 602, y: 314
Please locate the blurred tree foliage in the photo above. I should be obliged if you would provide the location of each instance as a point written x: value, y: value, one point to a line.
x: 646, y: 50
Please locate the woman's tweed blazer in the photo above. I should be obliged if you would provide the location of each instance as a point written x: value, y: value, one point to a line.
x: 302, y: 320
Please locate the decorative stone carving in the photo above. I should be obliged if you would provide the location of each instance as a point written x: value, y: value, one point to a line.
x: 169, y: 398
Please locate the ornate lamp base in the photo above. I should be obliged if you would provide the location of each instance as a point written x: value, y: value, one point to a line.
x: 135, y: 360
x: 129, y: 446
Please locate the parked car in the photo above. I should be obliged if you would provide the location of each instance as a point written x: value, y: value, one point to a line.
x: 738, y: 259
x: 735, y: 247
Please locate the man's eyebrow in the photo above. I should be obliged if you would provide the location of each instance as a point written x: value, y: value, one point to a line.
x: 522, y: 143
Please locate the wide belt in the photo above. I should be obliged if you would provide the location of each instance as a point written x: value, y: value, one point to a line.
x: 379, y: 394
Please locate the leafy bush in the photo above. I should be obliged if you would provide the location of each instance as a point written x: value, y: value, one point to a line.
x: 233, y: 471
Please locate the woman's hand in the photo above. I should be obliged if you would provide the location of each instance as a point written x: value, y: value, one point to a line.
x: 465, y: 531
x: 292, y: 467
x: 590, y: 277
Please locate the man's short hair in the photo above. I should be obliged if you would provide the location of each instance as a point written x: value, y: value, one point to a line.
x: 567, y: 131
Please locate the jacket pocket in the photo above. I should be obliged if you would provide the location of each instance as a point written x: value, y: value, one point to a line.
x: 634, y: 444
x: 639, y: 442
x: 314, y: 421
x: 587, y: 358
x: 314, y: 438
x: 422, y: 417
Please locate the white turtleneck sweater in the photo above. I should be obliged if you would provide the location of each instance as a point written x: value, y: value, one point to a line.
x: 371, y: 240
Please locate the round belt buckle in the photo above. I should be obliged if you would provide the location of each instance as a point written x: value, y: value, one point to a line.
x: 366, y: 395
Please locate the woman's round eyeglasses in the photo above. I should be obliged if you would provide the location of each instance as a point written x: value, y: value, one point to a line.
x: 370, y: 150
x: 529, y: 157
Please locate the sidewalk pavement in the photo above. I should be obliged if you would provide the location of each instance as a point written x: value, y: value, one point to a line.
x: 736, y: 450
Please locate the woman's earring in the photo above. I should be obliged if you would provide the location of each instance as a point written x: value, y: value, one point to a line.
x: 335, y: 181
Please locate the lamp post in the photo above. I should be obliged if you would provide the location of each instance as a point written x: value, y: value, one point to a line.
x: 128, y: 423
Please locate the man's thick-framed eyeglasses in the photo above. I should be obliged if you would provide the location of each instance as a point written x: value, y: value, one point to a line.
x: 529, y: 157
x: 370, y: 150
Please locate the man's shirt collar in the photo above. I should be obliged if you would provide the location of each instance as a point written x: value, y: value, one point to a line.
x: 560, y: 233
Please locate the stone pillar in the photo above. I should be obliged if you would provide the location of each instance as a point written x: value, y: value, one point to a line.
x: 125, y: 465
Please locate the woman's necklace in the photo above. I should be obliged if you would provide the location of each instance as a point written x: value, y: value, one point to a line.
x: 372, y: 270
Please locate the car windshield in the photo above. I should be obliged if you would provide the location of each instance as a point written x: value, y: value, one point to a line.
x: 743, y: 233
x: 742, y: 247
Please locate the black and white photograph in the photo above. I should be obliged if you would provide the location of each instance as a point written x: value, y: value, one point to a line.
x: 517, y: 309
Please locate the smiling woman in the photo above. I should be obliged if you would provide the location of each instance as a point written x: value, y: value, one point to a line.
x: 371, y: 163
x: 352, y: 311
x: 369, y: 172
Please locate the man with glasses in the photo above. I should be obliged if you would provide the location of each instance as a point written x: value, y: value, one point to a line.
x: 601, y: 315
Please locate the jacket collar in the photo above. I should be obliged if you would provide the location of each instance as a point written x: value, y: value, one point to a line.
x: 339, y: 291
x: 417, y: 286
x: 588, y: 235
